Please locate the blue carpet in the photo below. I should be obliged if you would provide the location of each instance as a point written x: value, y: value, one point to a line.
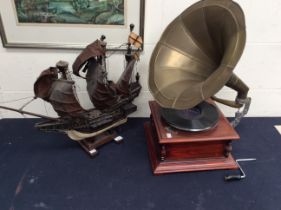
x: 48, y: 171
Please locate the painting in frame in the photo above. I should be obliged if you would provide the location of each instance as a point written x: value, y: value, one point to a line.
x: 68, y: 24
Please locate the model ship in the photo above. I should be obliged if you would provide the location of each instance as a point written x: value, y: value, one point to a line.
x: 112, y: 100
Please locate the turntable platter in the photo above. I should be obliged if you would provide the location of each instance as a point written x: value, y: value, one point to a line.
x: 202, y: 117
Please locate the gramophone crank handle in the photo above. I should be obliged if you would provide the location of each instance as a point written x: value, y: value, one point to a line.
x: 233, y: 177
x: 242, y: 174
x: 242, y: 89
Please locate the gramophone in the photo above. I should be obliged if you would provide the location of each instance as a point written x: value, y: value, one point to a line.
x: 193, y: 60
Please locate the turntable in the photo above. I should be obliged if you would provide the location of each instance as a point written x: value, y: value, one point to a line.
x: 193, y: 60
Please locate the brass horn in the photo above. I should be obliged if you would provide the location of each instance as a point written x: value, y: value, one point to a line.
x: 197, y: 54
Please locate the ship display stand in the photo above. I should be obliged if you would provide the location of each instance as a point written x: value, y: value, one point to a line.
x: 172, y: 150
x: 90, y: 145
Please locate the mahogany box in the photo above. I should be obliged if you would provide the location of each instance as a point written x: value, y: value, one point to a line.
x: 172, y: 150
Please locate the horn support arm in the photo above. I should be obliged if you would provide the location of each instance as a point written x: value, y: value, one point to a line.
x: 240, y: 87
x: 241, y: 100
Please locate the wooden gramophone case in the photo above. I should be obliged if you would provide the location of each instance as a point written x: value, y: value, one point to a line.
x: 172, y: 150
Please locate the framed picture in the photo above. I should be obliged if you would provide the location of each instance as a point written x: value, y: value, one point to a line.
x: 69, y: 24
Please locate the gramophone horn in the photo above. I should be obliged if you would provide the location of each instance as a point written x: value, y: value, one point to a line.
x: 197, y: 54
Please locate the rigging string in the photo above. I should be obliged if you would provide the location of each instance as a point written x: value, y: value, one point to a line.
x: 27, y: 103
x: 74, y: 90
x: 11, y: 101
x: 47, y: 113
x: 74, y: 86
x: 136, y: 71
x: 20, y: 99
x: 115, y: 48
x: 24, y: 105
x: 106, y: 72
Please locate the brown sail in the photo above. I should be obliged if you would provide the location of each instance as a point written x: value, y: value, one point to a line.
x: 44, y: 83
x: 93, y: 50
x: 58, y: 92
x: 105, y: 94
x: 123, y: 84
x: 101, y: 91
x: 63, y: 99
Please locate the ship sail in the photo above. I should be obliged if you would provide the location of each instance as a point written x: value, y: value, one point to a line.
x: 44, y: 83
x: 58, y: 92
x: 93, y: 50
x: 63, y: 99
x: 123, y: 84
x: 101, y: 91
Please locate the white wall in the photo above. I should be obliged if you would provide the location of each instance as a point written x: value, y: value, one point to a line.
x: 260, y: 66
